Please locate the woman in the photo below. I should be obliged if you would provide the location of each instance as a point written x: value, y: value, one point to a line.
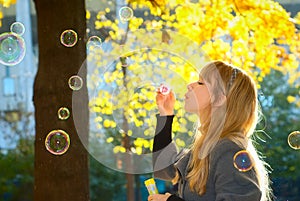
x: 225, y: 100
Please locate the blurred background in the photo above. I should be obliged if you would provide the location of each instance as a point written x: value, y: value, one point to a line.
x: 270, y: 51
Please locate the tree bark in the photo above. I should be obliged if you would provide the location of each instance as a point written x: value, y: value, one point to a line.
x: 60, y: 177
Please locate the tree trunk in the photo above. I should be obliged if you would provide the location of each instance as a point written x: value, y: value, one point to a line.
x: 62, y: 177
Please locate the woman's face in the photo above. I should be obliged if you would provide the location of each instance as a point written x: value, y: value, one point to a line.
x: 197, y: 98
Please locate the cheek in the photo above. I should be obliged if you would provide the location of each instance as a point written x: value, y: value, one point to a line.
x: 197, y: 102
x: 202, y: 99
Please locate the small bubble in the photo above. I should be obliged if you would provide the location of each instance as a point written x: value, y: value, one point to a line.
x: 63, y: 113
x: 12, y: 49
x: 68, y: 38
x: 75, y: 82
x: 294, y: 140
x: 125, y: 13
x: 242, y: 161
x: 163, y: 89
x: 17, y: 28
x: 57, y: 142
x: 94, y: 42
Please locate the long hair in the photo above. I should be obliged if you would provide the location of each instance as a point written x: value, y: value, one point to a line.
x: 235, y: 119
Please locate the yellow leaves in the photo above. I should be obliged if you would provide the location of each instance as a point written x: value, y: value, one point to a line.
x: 88, y: 14
x: 107, y: 10
x: 266, y: 15
x: 135, y: 23
x: 140, y: 144
x: 218, y: 49
x: 179, y: 142
x: 291, y: 99
x: 98, y: 119
x: 297, y: 18
x: 110, y: 140
x: 7, y: 3
x: 247, y: 33
x: 1, y: 16
x: 238, y: 28
x: 119, y: 149
x: 109, y: 123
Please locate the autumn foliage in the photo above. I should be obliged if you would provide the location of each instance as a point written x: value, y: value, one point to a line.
x: 168, y: 41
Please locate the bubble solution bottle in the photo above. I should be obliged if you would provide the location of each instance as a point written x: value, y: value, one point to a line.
x: 151, y: 186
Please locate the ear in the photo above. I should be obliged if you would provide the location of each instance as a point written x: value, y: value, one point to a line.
x: 219, y: 101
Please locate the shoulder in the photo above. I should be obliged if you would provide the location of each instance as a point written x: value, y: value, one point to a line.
x: 223, y: 151
x: 225, y: 145
x: 232, y: 179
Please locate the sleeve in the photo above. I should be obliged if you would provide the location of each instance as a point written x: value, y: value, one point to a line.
x: 164, y: 151
x: 230, y: 183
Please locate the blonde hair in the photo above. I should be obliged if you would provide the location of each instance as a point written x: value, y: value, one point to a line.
x: 235, y: 119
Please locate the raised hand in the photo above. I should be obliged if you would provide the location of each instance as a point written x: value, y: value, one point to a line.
x: 165, y: 103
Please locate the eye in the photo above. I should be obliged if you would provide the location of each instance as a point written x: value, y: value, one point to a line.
x: 200, y: 83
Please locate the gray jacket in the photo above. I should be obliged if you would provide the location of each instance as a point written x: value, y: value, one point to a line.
x: 225, y: 182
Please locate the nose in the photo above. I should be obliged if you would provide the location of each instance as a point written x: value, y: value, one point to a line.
x: 190, y: 86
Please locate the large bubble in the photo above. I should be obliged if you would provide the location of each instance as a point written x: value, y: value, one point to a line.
x: 122, y: 103
x: 57, y: 142
x: 68, y: 38
x: 12, y: 49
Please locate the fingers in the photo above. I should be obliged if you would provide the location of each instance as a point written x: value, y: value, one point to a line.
x: 150, y: 198
x: 159, y: 197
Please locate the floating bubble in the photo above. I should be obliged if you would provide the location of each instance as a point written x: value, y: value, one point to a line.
x: 12, y: 49
x: 57, y: 142
x: 17, y: 28
x: 94, y: 42
x: 75, y: 82
x: 294, y: 140
x: 68, y: 38
x: 164, y: 89
x: 242, y: 161
x: 63, y: 113
x: 125, y: 13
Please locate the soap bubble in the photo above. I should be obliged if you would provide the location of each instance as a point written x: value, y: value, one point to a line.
x: 68, y: 38
x: 125, y: 13
x: 242, y: 161
x: 17, y: 28
x: 294, y: 140
x: 63, y: 113
x: 94, y: 42
x: 57, y: 142
x: 122, y: 97
x: 75, y: 82
x: 12, y: 49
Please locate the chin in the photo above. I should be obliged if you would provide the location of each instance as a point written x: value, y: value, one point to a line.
x: 188, y: 109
